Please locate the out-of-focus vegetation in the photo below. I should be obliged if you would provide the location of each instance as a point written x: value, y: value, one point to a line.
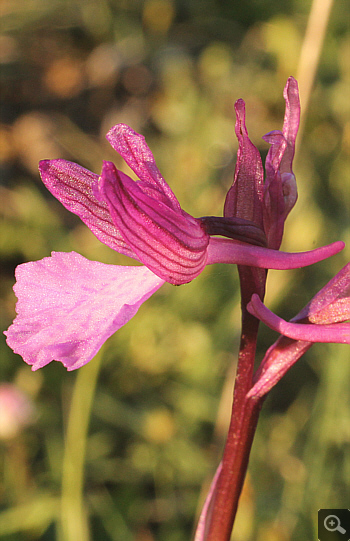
x: 148, y: 438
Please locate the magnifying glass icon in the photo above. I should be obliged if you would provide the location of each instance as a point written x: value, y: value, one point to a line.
x: 332, y: 524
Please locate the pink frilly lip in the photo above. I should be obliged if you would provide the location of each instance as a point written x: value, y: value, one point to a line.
x: 68, y: 306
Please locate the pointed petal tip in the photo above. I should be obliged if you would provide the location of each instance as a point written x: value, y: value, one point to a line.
x: 120, y: 135
x: 339, y: 245
x: 240, y: 108
x: 108, y: 167
x: 48, y: 169
x: 240, y: 103
x: 291, y: 84
x: 43, y: 165
x: 119, y: 130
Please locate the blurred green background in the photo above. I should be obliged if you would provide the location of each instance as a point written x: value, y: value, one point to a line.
x: 144, y: 423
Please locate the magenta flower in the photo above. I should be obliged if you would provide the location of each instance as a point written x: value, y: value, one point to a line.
x: 280, y: 189
x: 324, y: 319
x: 68, y: 306
x: 267, y: 204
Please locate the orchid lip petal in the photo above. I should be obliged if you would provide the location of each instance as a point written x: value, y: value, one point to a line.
x: 172, y: 244
x: 69, y: 306
x: 228, y: 251
x: 332, y: 333
x: 73, y: 186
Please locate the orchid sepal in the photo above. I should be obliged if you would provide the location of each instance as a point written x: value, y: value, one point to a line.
x: 171, y: 243
x: 280, y: 189
x: 73, y: 186
x: 244, y: 198
x: 136, y: 153
x: 328, y: 333
x: 323, y: 319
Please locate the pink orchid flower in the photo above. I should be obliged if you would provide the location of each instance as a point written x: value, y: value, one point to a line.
x: 68, y: 306
x: 323, y: 319
x: 266, y: 204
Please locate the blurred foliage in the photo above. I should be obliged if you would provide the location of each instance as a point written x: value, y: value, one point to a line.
x: 171, y: 69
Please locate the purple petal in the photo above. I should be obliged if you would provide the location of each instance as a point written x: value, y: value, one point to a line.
x: 329, y: 306
x: 279, y: 358
x: 281, y: 154
x: 73, y: 186
x: 336, y: 333
x: 244, y: 198
x: 274, y: 202
x: 229, y: 251
x: 280, y: 190
x: 278, y: 144
x: 291, y: 123
x: 135, y: 151
x: 332, y: 303
x: 172, y: 244
x: 234, y: 228
x: 68, y: 306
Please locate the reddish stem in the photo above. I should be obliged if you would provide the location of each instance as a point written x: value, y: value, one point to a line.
x: 244, y: 418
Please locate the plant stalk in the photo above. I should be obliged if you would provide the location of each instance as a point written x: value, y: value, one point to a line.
x: 74, y: 520
x: 244, y: 418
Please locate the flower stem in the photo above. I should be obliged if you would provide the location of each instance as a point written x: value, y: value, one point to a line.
x: 74, y: 522
x: 244, y: 418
